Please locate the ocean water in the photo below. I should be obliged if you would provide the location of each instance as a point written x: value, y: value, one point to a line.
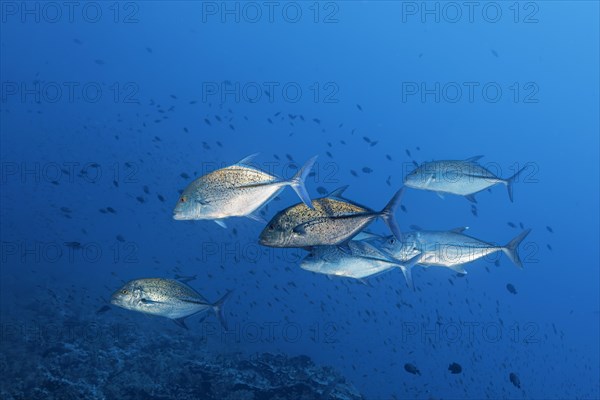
x: 110, y: 109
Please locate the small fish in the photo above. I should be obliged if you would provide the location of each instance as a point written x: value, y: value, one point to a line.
x: 455, y: 368
x: 514, y: 379
x: 359, y: 107
x: 333, y: 221
x: 322, y: 190
x: 511, y: 288
x: 166, y: 298
x: 549, y: 229
x: 367, y: 170
x: 236, y: 191
x: 103, y: 309
x: 460, y: 177
x: 411, y: 369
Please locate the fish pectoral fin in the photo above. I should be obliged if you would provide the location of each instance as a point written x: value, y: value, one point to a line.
x: 181, y: 322
x: 259, y: 184
x: 193, y: 301
x: 148, y: 301
x: 471, y: 198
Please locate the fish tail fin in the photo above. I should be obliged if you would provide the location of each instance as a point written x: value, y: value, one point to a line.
x: 511, y: 249
x: 406, y: 269
x: 218, y: 308
x: 388, y: 213
x: 297, y: 182
x: 509, y: 182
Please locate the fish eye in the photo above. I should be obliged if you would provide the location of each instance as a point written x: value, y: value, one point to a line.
x: 124, y: 291
x: 183, y: 199
x: 392, y: 240
x: 271, y: 227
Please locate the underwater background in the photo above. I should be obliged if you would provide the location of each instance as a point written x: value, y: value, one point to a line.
x: 109, y: 109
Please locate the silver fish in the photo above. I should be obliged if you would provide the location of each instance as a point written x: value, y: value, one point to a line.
x: 333, y: 220
x: 462, y: 177
x: 451, y: 249
x: 359, y: 260
x: 166, y: 298
x: 236, y: 191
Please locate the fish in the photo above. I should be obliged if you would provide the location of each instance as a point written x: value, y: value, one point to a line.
x: 460, y: 177
x: 452, y: 249
x: 514, y: 379
x: 333, y: 221
x: 511, y: 288
x: 455, y: 368
x: 359, y: 260
x: 167, y: 298
x: 103, y: 309
x: 237, y: 191
x: 412, y: 369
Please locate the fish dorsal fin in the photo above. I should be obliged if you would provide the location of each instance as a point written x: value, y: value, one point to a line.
x: 415, y: 228
x: 339, y: 192
x: 247, y: 160
x: 473, y: 159
x: 460, y: 229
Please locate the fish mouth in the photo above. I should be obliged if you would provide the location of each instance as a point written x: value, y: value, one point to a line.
x: 179, y: 216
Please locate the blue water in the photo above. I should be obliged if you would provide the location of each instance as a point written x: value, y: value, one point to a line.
x: 109, y: 110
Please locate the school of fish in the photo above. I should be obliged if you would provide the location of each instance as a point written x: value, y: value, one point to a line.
x: 330, y: 228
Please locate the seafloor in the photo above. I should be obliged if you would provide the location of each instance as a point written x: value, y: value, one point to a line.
x: 122, y: 363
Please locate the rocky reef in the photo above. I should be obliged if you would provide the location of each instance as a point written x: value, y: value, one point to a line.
x: 157, y: 368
